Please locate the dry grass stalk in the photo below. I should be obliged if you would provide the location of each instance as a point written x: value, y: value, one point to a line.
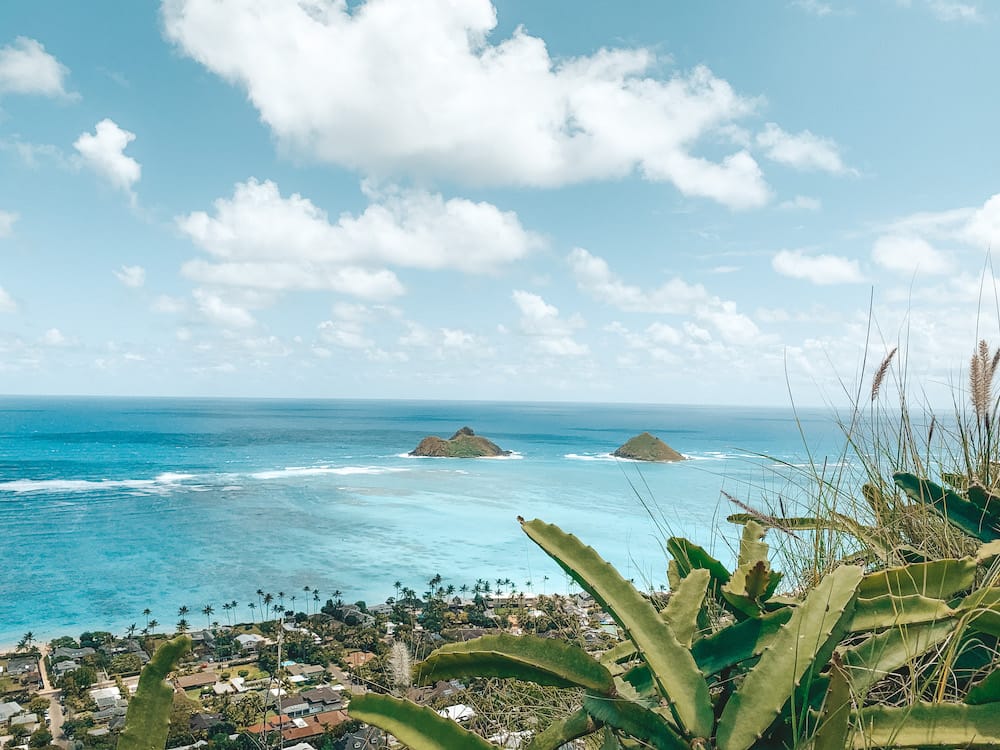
x: 982, y: 368
x: 883, y: 368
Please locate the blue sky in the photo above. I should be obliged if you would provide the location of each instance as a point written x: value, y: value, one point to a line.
x: 644, y: 201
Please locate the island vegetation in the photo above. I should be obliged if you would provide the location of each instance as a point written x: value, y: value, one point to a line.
x: 463, y: 444
x: 647, y: 447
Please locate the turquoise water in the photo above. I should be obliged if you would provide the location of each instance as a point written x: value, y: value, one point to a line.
x: 110, y: 506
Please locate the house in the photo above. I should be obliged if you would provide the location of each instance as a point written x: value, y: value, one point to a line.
x: 357, y: 659
x: 106, y: 697
x: 7, y: 710
x: 300, y: 746
x: 250, y: 642
x: 311, y: 727
x: 202, y: 722
x: 65, y: 652
x: 28, y: 721
x: 63, y: 667
x: 196, y: 680
x: 309, y: 671
x: 322, y: 699
x: 294, y: 706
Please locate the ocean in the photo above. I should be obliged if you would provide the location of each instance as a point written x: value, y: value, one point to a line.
x: 109, y: 507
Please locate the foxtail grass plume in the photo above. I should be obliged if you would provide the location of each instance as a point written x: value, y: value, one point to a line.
x: 880, y: 373
x: 982, y: 368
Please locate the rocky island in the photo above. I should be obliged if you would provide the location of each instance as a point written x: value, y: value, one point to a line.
x: 463, y: 444
x: 646, y: 447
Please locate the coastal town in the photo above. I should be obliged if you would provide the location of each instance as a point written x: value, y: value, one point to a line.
x: 286, y: 679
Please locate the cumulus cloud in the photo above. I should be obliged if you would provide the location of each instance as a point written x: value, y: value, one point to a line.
x: 394, y: 87
x: 54, y: 337
x: 801, y: 203
x: 802, y: 150
x: 7, y: 220
x: 949, y: 10
x: 551, y: 333
x: 909, y: 255
x: 131, y: 276
x: 221, y: 312
x: 818, y: 269
x: 104, y: 153
x: 259, y: 238
x: 26, y: 68
x: 7, y: 303
x: 674, y: 297
x: 815, y: 7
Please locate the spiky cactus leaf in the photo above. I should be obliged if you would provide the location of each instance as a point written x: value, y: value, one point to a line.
x: 798, y: 650
x: 835, y: 721
x: 950, y: 505
x: 738, y: 642
x: 577, y: 724
x: 753, y: 548
x: 417, y: 727
x: 544, y: 661
x: 938, y: 579
x: 674, y: 669
x: 983, y: 499
x: 891, y: 611
x: 986, y: 690
x: 875, y: 658
x: 689, y: 556
x: 928, y: 725
x: 637, y: 721
x: 148, y: 717
x: 681, y: 612
x: 618, y: 653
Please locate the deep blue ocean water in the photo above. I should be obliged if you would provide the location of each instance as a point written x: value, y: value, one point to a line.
x: 111, y: 506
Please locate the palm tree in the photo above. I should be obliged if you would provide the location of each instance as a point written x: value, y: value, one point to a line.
x: 182, y: 611
x: 147, y: 612
x: 281, y: 598
x: 182, y: 625
x: 227, y: 607
x: 131, y: 630
x: 316, y: 599
x: 260, y: 596
x: 153, y: 625
x: 336, y: 597
x: 25, y: 642
x: 268, y: 598
x: 252, y: 607
x: 208, y: 612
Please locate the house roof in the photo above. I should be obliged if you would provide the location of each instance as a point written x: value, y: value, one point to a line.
x: 198, y: 679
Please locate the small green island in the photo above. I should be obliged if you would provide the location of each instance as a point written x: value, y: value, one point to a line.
x: 647, y: 447
x: 463, y: 444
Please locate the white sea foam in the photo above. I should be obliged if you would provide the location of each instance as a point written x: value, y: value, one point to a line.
x: 512, y: 456
x: 315, y: 471
x: 159, y: 484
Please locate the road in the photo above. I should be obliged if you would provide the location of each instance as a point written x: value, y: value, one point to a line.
x: 54, y: 695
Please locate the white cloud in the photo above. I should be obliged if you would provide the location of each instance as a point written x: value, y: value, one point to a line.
x: 394, y: 87
x: 104, y: 152
x: 131, y: 276
x: 261, y: 239
x: 802, y: 151
x: 219, y: 311
x: 26, y: 68
x: 909, y: 255
x: 7, y: 303
x: 673, y: 297
x: 815, y: 7
x: 725, y: 269
x: 167, y: 304
x: 7, y: 220
x: 54, y: 337
x: 819, y: 269
x: 948, y: 10
x: 552, y: 334
x: 801, y: 203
